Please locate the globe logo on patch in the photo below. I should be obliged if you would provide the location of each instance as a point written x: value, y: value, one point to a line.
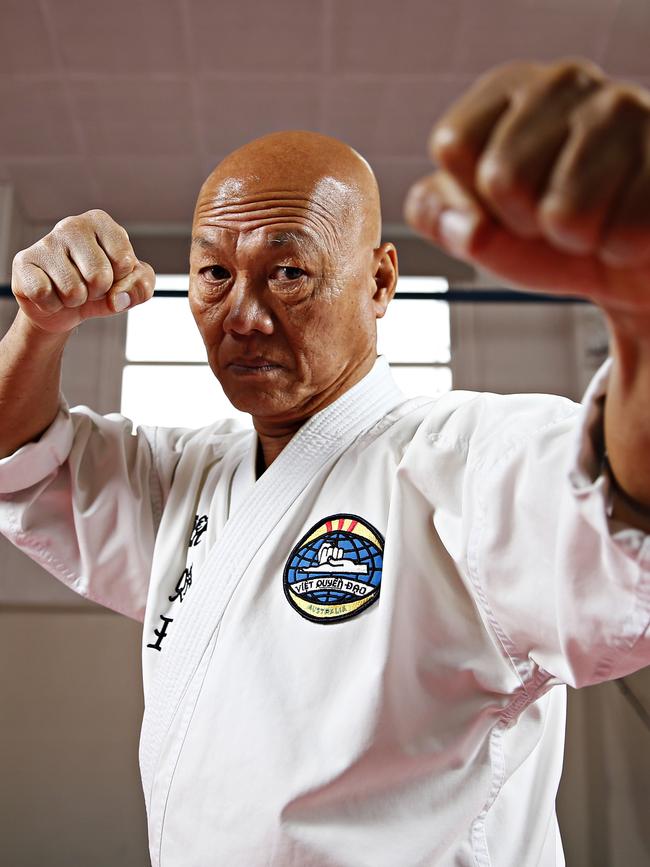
x: 334, y: 572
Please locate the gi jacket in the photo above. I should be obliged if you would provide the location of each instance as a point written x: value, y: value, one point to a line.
x: 350, y: 660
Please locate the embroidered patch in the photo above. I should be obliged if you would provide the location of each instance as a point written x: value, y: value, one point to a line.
x: 334, y: 572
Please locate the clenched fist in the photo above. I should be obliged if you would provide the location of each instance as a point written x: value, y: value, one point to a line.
x: 544, y: 180
x: 85, y: 267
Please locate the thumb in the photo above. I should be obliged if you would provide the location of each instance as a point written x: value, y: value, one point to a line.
x: 439, y: 208
x: 133, y: 289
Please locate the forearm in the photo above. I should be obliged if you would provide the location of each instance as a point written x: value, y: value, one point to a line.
x: 30, y: 375
x: 627, y: 417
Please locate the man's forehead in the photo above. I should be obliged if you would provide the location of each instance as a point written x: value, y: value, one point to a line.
x: 268, y: 236
x: 322, y: 197
x: 291, y: 179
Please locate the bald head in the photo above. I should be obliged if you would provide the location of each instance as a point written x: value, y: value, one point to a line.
x: 288, y: 275
x: 300, y: 170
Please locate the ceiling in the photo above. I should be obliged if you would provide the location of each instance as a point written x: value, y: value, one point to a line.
x: 127, y: 104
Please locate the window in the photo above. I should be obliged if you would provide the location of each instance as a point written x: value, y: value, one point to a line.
x: 167, y: 381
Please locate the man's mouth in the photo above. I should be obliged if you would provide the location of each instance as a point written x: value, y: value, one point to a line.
x: 257, y: 365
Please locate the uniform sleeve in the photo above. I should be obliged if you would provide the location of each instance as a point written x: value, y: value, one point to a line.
x: 563, y: 585
x: 84, y: 501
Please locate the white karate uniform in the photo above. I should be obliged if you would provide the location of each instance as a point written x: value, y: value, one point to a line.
x: 412, y: 723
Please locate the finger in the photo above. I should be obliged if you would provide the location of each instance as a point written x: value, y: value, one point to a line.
x: 599, y: 158
x: 535, y: 265
x: 460, y: 136
x: 92, y: 263
x: 625, y: 237
x: 51, y: 255
x: 442, y: 210
x: 518, y: 159
x: 455, y: 222
x: 32, y: 285
x: 114, y: 240
x: 136, y: 288
x: 532, y: 264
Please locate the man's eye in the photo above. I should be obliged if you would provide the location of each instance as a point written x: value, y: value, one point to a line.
x: 216, y: 273
x: 287, y: 273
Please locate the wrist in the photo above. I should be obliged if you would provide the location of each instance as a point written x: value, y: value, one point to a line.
x: 35, y: 336
x: 629, y: 327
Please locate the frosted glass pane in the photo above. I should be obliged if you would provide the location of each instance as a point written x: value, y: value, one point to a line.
x: 173, y: 281
x: 173, y: 396
x: 163, y: 329
x: 422, y: 284
x: 416, y: 331
x: 416, y: 381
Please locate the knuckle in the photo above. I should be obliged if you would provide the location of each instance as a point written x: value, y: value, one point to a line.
x: 100, y: 276
x: 139, y: 285
x: 143, y: 285
x: 67, y: 226
x: 97, y: 215
x: 446, y: 142
x: 123, y: 264
x: 508, y: 190
x: 97, y: 266
x: 74, y: 299
x: 80, y: 223
x: 520, y: 71
x: 557, y: 211
x: 126, y: 258
x: 613, y: 106
x: 100, y: 217
x: 19, y: 261
x: 39, y: 293
x: 69, y: 286
x: 567, y: 225
x: 121, y: 232
x: 618, y: 101
x: 496, y: 178
x: 576, y: 71
x: 148, y: 273
x: 52, y: 245
x: 149, y: 287
x: 454, y: 149
x: 570, y: 83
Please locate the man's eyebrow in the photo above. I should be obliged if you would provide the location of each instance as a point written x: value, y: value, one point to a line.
x: 288, y: 237
x: 202, y: 242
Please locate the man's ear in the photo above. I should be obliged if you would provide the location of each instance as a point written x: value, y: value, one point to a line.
x: 386, y: 272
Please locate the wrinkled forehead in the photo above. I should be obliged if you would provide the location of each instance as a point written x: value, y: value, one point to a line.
x: 324, y: 207
x: 282, y: 237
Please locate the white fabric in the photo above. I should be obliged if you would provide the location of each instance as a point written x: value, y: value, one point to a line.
x: 422, y: 730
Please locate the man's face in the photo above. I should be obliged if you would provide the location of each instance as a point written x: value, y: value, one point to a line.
x: 283, y: 295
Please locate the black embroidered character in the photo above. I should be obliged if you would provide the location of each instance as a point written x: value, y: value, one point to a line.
x: 161, y: 633
x: 182, y: 585
x: 200, y: 526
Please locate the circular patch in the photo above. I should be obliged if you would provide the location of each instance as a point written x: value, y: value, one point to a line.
x: 334, y: 572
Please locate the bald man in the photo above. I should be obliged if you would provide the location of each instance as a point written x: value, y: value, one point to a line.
x: 359, y: 617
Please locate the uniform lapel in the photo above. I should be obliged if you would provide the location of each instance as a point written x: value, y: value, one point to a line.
x: 321, y: 438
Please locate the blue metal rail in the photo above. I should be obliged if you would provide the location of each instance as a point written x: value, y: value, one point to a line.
x: 452, y: 296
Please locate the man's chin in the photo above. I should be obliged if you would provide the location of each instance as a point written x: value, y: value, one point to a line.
x: 259, y: 402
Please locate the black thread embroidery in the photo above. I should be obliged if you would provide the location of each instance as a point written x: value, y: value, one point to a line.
x: 182, y: 585
x: 161, y: 633
x: 200, y: 526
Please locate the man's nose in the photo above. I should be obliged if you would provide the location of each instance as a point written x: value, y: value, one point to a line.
x: 247, y: 311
